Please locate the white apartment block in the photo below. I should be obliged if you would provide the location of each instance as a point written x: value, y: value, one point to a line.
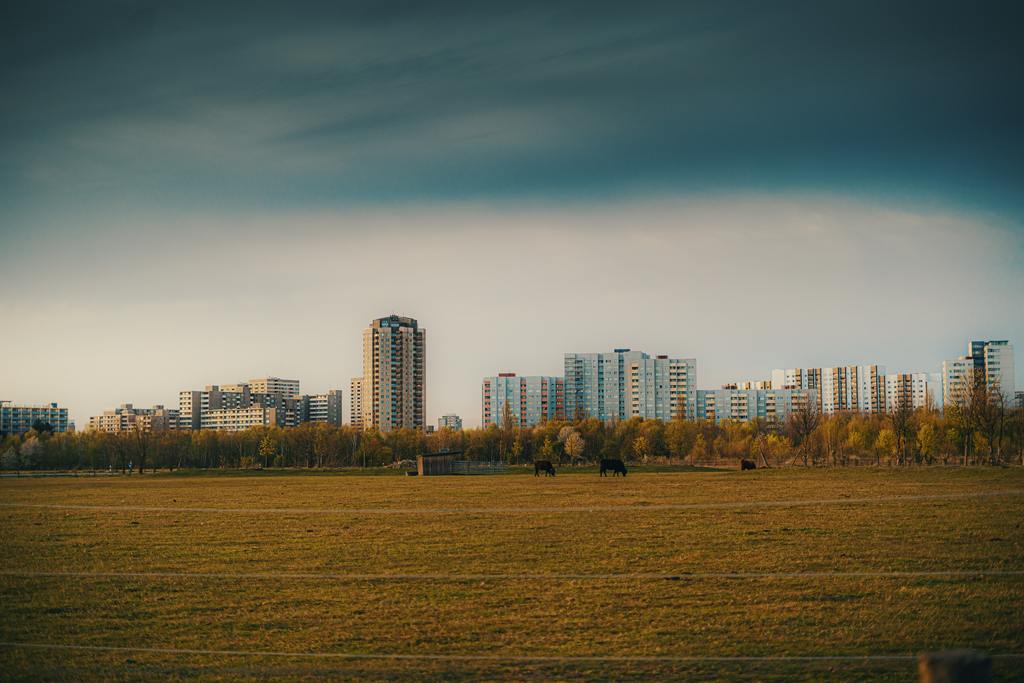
x: 239, y: 419
x: 957, y: 376
x: 530, y: 400
x: 663, y: 388
x: 991, y: 359
x: 796, y: 378
x: 841, y: 388
x: 742, y: 405
x: 625, y: 383
x: 996, y: 358
x: 909, y: 390
x: 858, y: 388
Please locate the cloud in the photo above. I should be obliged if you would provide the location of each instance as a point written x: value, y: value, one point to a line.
x: 333, y: 105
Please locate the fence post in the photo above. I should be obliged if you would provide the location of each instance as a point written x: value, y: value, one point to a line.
x: 954, y: 666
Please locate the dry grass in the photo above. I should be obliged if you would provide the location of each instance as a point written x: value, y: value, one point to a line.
x: 520, y: 527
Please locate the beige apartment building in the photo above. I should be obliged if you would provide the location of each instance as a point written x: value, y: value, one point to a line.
x: 240, y: 419
x: 393, y: 386
x: 128, y: 418
x: 274, y: 385
x: 355, y: 394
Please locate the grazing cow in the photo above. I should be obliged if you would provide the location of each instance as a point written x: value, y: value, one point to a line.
x: 614, y: 465
x: 747, y: 464
x: 544, y: 466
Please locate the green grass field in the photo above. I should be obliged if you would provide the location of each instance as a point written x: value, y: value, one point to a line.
x: 767, y: 575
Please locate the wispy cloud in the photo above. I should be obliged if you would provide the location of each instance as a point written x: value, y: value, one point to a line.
x: 334, y: 105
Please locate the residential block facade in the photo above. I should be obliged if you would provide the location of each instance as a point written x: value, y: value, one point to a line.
x: 909, y: 390
x: 240, y: 419
x: 796, y: 378
x: 532, y: 400
x: 18, y: 419
x: 625, y: 383
x: 742, y: 405
x: 326, y: 408
x: 858, y: 388
x: 274, y: 385
x: 841, y: 388
x: 991, y: 359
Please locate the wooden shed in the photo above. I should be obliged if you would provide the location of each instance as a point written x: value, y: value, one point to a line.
x: 433, y: 464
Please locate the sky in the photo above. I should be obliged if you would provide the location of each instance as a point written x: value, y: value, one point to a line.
x: 194, y: 194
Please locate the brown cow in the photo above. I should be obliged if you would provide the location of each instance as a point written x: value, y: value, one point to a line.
x: 747, y: 464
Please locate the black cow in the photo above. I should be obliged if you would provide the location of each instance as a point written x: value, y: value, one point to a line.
x: 544, y: 466
x: 747, y: 464
x: 614, y: 465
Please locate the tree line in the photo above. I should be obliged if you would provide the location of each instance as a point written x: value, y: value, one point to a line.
x: 966, y: 434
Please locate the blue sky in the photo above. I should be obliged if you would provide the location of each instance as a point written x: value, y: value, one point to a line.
x: 159, y: 160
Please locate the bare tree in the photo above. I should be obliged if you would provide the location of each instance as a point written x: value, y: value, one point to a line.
x: 901, y: 417
x: 832, y: 432
x: 141, y: 439
x: 990, y: 421
x: 801, y: 424
x: 965, y: 400
x: 1015, y: 433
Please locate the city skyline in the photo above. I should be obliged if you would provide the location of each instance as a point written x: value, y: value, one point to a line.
x: 881, y: 386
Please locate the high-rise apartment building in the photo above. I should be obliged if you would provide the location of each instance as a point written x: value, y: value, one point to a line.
x: 917, y: 390
x: 18, y: 419
x: 995, y: 358
x: 355, y: 398
x: 393, y: 389
x: 847, y: 387
x: 625, y: 383
x: 858, y: 388
x: 531, y: 400
x: 128, y: 418
x: 742, y: 405
x: 450, y: 421
x: 991, y: 359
